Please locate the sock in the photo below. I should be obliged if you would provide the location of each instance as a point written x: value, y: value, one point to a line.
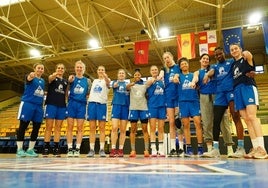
x: 133, y: 147
x: 173, y: 144
x: 92, y: 146
x: 260, y: 141
x: 216, y: 144
x: 146, y: 146
x: 254, y: 143
x: 31, y: 144
x: 19, y: 144
x: 230, y: 150
x: 240, y: 143
x: 153, y: 147
x: 121, y: 146
x: 101, y: 145
x: 70, y: 146
x: 181, y: 145
x: 209, y: 147
x: 189, y: 148
x: 160, y: 147
x: 113, y: 146
x: 77, y: 146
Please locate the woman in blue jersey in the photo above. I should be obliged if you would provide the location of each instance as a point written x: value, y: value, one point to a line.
x: 246, y: 99
x: 189, y: 107
x: 138, y: 110
x: 97, y: 110
x: 157, y: 111
x: 120, y: 108
x: 207, y: 92
x: 170, y: 74
x: 76, y: 108
x: 55, y: 110
x: 224, y: 98
x: 31, y: 109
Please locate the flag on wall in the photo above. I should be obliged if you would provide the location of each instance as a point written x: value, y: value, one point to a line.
x: 231, y: 36
x: 141, y: 52
x: 186, y: 45
x: 265, y: 33
x: 207, y: 42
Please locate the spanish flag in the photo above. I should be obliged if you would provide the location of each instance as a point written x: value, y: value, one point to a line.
x: 141, y: 52
x: 186, y: 45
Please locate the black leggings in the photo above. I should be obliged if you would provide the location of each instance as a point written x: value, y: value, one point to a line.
x: 218, y: 114
x: 22, y: 128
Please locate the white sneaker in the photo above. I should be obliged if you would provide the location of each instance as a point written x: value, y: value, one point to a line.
x: 251, y: 153
x: 239, y: 153
x: 214, y: 153
x: 154, y: 153
x: 260, y: 153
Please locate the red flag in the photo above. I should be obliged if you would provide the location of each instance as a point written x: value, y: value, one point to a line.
x: 207, y: 42
x: 186, y: 45
x: 141, y: 52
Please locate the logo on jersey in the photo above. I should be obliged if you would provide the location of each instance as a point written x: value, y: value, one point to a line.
x: 158, y: 90
x: 78, y: 89
x: 59, y: 89
x: 39, y: 92
x: 237, y: 72
x: 97, y: 89
x: 186, y: 85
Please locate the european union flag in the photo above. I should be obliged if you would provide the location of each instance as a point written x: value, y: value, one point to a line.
x: 231, y: 36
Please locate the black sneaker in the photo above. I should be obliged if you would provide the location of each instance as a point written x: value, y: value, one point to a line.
x: 172, y: 153
x: 56, y: 152
x: 180, y: 153
x: 45, y: 152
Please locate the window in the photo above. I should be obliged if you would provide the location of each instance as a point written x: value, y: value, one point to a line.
x: 259, y: 69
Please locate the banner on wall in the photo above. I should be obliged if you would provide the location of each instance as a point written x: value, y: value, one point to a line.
x: 142, y: 52
x: 231, y: 36
x: 186, y: 45
x: 207, y: 42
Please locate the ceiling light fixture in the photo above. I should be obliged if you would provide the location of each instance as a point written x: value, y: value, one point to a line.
x: 35, y: 53
x: 93, y: 43
x: 164, y: 32
x: 255, y: 18
x: 4, y: 3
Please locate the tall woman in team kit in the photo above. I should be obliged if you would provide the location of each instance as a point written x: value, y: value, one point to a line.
x: 55, y: 109
x: 246, y: 99
x: 157, y: 111
x: 170, y: 74
x: 76, y: 108
x: 97, y: 110
x: 120, y: 109
x: 31, y: 109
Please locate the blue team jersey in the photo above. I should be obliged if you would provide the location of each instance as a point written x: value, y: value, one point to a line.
x: 208, y: 88
x: 187, y: 93
x: 34, y: 91
x: 170, y: 86
x: 121, y: 95
x: 155, y: 93
x: 79, y: 90
x: 224, y: 76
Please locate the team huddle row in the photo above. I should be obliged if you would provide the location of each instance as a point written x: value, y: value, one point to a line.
x: 173, y: 90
